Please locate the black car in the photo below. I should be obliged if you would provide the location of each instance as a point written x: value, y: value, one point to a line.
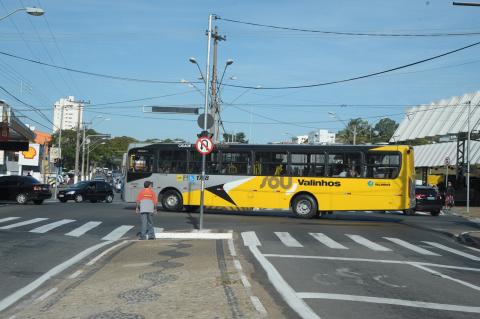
x: 87, y: 190
x: 428, y: 200
x: 23, y: 189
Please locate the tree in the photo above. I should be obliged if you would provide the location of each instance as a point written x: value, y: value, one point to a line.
x: 239, y: 137
x: 358, y: 128
x: 384, y: 130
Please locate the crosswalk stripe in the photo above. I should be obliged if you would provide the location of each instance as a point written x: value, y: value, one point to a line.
x: 287, y: 239
x: 43, y: 229
x: 407, y: 245
x: 117, y: 233
x: 8, y: 219
x: 27, y: 222
x: 77, y: 232
x: 367, y: 243
x: 327, y: 241
x: 453, y: 251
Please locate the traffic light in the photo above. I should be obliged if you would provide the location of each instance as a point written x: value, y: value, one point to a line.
x: 205, y: 134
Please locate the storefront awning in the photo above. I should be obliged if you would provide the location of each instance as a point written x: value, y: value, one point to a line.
x: 433, y: 155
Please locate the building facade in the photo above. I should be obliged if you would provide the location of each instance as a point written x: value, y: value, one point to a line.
x: 321, y: 137
x: 67, y: 114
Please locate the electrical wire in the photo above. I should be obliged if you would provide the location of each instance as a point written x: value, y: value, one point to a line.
x: 356, y: 77
x: 101, y: 75
x: 369, y: 34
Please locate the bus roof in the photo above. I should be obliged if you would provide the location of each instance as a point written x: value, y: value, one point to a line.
x: 270, y: 147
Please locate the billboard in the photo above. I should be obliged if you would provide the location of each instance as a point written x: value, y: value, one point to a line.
x: 31, y: 156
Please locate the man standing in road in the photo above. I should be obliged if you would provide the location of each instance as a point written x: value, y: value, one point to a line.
x: 146, y: 206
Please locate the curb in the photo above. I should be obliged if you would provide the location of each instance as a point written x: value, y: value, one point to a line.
x: 204, y: 234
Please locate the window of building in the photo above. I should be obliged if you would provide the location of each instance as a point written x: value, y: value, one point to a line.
x: 270, y: 163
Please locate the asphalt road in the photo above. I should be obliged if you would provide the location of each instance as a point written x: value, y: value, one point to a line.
x: 346, y: 265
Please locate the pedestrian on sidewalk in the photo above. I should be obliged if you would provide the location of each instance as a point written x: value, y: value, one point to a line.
x: 450, y: 195
x: 146, y: 207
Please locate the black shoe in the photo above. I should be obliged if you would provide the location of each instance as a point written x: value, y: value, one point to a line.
x: 152, y: 238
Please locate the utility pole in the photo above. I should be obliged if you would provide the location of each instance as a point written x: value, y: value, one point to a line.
x: 77, y: 148
x: 215, y: 105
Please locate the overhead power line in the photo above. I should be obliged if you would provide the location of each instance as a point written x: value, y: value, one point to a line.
x: 366, y: 34
x: 353, y: 78
x: 101, y: 75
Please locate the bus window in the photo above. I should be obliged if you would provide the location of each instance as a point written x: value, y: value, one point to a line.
x: 345, y: 164
x: 382, y: 165
x: 141, y: 161
x: 307, y: 164
x: 172, y: 161
x: 195, y: 163
x: 270, y: 163
x: 236, y: 163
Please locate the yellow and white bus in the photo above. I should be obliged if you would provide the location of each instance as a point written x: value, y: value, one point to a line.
x: 308, y: 179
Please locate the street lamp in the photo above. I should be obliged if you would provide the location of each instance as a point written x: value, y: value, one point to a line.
x: 33, y: 11
x: 83, y: 141
x: 335, y: 116
x: 88, y: 154
x: 194, y: 61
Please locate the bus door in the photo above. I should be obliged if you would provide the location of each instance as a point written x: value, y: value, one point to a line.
x: 345, y: 187
x: 141, y: 165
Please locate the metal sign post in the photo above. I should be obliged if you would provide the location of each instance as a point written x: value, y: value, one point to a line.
x: 207, y: 75
x: 447, y: 162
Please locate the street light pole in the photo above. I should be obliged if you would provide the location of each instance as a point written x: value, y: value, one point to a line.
x: 204, y: 158
x: 468, y: 158
x: 334, y: 115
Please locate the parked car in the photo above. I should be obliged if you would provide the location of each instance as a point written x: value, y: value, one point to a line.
x: 87, y: 190
x: 23, y: 189
x: 428, y: 199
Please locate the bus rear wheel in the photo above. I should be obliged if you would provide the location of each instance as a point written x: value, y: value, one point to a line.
x: 304, y: 206
x: 172, y: 201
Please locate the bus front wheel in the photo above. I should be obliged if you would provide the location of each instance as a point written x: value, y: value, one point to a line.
x: 172, y: 201
x: 304, y: 206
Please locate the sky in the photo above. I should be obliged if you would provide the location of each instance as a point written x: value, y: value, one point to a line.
x: 153, y: 40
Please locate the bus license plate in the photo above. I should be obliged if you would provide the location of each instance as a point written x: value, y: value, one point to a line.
x: 430, y: 198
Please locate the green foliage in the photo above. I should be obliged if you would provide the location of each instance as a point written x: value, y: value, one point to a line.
x: 383, y: 130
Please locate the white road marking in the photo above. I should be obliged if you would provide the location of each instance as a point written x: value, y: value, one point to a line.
x: 250, y: 239
x: 407, y: 245
x: 367, y: 243
x: 245, y: 281
x: 231, y: 248
x: 287, y: 239
x: 75, y: 274
x: 327, y: 241
x: 77, y: 232
x: 96, y: 258
x: 45, y: 228
x: 380, y: 261
x: 474, y: 249
x: 27, y: 222
x: 298, y: 305
x: 258, y: 305
x: 118, y: 232
x: 453, y: 251
x: 388, y: 301
x: 2, y: 220
x: 158, y: 229
x: 46, y: 295
x: 434, y: 272
x: 237, y: 264
x: 11, y: 299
